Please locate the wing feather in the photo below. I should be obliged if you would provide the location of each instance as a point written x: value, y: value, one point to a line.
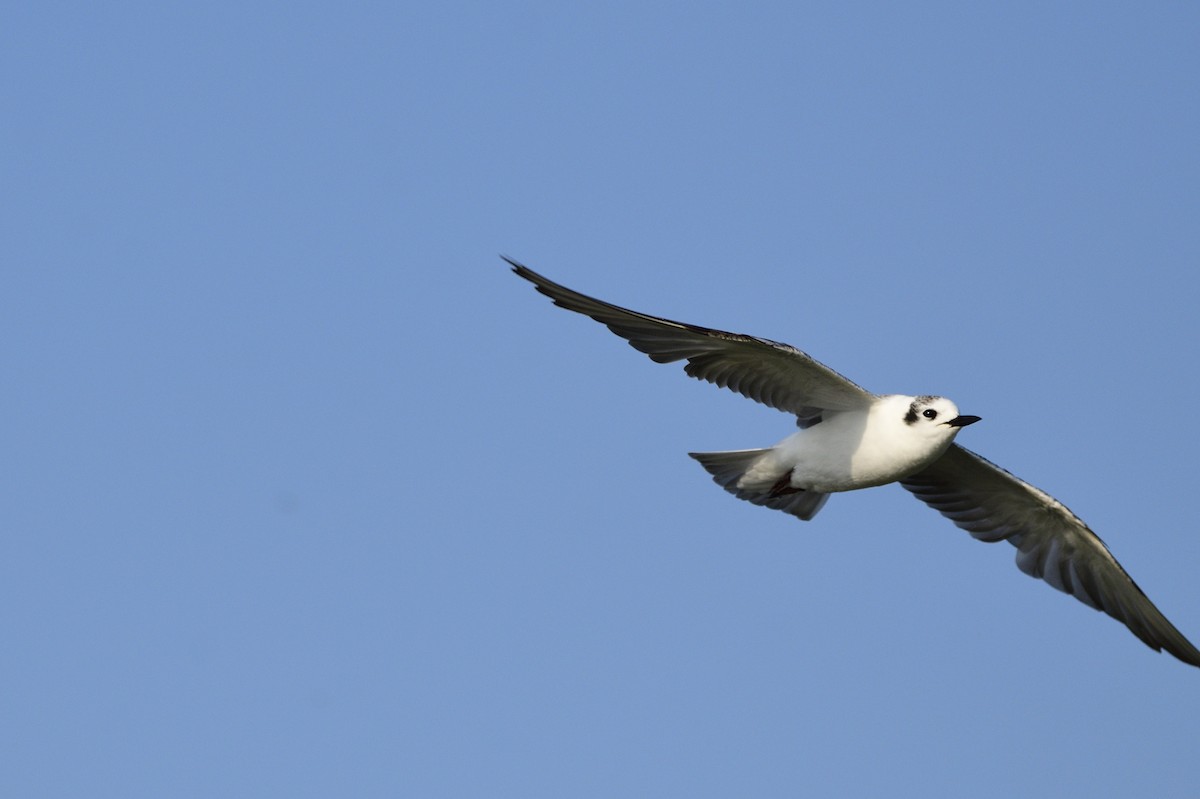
x: 775, y: 374
x: 1052, y: 543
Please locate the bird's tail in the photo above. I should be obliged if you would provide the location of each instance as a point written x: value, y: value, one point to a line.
x: 727, y: 469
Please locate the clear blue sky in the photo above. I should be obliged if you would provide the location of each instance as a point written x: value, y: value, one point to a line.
x: 304, y: 494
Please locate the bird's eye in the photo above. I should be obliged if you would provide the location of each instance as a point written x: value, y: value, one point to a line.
x: 929, y: 413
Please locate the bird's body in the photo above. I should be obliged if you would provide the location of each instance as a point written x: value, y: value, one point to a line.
x: 849, y: 450
x: 851, y: 439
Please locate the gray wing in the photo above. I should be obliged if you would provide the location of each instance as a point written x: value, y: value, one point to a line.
x: 1052, y: 543
x: 766, y: 371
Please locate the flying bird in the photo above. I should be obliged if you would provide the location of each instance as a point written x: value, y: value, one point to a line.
x: 849, y: 438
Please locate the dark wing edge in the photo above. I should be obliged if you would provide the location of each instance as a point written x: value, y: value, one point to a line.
x: 1052, y: 543
x: 777, y: 375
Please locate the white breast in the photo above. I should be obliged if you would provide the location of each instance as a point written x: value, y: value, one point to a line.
x: 851, y: 450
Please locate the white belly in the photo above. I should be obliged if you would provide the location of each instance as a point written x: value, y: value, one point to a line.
x: 844, y: 453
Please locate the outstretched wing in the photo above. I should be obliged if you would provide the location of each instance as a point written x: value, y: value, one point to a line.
x: 1052, y: 543
x: 766, y: 371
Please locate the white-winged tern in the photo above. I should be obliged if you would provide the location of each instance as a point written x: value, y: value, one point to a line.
x: 850, y: 438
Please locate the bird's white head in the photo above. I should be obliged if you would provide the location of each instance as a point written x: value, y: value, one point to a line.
x: 933, y: 417
x: 906, y: 434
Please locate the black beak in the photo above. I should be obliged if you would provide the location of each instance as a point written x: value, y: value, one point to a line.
x: 963, y: 421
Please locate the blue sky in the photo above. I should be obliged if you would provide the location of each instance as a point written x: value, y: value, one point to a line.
x: 306, y: 495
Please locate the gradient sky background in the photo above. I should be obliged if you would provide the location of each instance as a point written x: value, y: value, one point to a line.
x: 304, y: 494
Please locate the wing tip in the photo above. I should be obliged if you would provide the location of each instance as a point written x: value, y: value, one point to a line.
x: 518, y: 267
